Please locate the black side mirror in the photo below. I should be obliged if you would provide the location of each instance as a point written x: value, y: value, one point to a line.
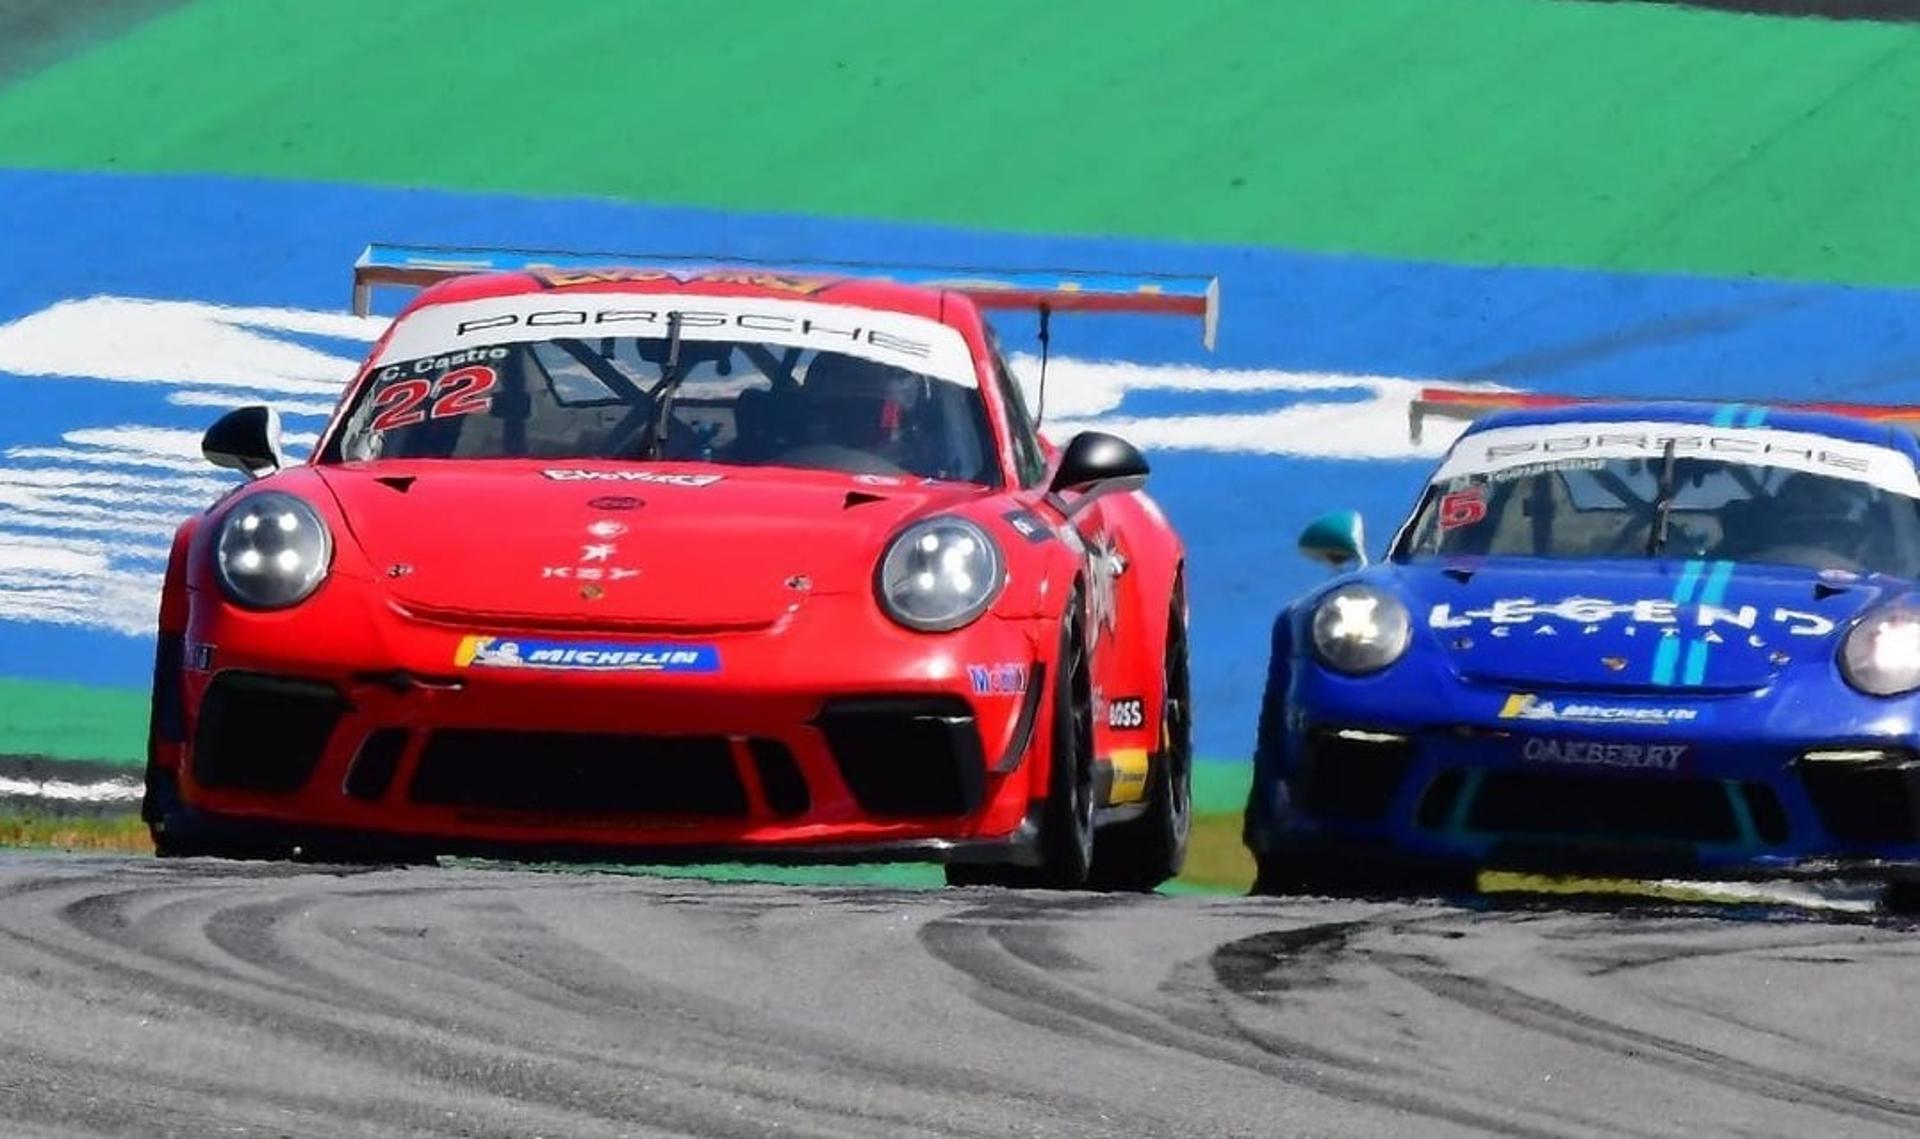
x: 246, y: 439
x: 1097, y: 464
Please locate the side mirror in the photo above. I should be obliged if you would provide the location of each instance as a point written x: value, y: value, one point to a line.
x: 1336, y: 538
x: 246, y: 439
x: 1097, y: 464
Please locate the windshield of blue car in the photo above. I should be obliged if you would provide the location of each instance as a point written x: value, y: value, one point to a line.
x: 738, y: 402
x: 1611, y: 508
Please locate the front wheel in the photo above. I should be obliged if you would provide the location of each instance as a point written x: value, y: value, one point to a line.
x: 1066, y: 819
x: 1143, y: 853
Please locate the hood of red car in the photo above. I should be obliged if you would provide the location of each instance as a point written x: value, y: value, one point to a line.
x: 619, y: 545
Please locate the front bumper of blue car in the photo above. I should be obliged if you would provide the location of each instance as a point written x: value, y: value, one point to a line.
x: 1646, y: 784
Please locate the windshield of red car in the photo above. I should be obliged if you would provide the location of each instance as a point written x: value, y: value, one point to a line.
x: 842, y: 397
x: 1821, y: 509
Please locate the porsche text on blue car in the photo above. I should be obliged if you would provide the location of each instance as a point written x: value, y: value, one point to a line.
x: 1658, y: 639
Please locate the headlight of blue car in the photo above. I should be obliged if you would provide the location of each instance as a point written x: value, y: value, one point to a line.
x: 1881, y: 655
x: 1359, y: 629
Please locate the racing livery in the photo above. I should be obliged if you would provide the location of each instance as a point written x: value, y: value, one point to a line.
x: 683, y: 561
x: 1649, y: 639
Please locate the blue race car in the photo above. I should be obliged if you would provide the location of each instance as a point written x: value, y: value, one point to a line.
x: 1657, y: 639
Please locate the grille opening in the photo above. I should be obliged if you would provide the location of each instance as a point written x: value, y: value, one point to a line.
x: 262, y: 733
x: 907, y: 757
x: 1352, y: 779
x: 375, y: 763
x: 579, y: 773
x: 780, y: 778
x: 1865, y: 804
x: 1769, y: 817
x: 1525, y: 802
x: 1436, y: 805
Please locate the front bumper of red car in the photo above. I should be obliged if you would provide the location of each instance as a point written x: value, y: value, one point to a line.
x: 830, y: 734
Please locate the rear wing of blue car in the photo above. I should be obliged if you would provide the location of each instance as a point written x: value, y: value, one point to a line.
x: 1057, y: 291
x: 1467, y: 405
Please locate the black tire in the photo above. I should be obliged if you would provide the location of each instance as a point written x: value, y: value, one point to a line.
x: 1142, y: 853
x: 1901, y: 897
x: 1066, y: 819
x: 168, y: 844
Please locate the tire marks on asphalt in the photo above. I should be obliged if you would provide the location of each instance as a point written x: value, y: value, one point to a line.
x: 184, y: 998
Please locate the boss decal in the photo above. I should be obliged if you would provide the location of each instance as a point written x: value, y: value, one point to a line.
x: 1127, y: 713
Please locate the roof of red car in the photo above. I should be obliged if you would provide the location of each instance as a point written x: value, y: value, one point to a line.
x: 856, y: 291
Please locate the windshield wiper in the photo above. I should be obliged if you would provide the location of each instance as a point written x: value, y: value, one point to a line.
x: 1662, y: 506
x: 670, y: 377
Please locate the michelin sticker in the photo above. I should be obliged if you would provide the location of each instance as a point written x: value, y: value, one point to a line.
x: 1528, y: 706
x: 592, y: 656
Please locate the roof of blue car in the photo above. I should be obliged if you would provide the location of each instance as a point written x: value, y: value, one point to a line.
x: 1710, y: 415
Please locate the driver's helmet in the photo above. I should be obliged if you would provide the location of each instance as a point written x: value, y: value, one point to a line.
x: 1806, y: 510
x: 851, y: 402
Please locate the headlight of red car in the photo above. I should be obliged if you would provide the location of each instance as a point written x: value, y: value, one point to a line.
x: 939, y: 574
x: 272, y: 550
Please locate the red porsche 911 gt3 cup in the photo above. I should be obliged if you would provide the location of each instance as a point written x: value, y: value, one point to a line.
x: 683, y: 562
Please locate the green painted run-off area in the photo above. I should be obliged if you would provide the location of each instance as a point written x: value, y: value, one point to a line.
x: 1555, y: 132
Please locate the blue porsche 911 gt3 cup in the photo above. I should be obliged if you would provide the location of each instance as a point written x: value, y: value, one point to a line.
x: 1658, y: 639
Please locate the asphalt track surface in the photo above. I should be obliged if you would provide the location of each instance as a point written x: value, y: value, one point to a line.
x: 198, y: 999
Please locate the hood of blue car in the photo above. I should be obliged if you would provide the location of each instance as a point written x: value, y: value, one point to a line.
x: 1630, y: 625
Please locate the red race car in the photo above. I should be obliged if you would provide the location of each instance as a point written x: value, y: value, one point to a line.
x: 684, y: 562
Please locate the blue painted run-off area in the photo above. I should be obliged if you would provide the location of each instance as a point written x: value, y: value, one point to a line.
x: 290, y: 246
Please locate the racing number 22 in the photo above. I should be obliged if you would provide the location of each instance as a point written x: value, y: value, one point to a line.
x: 460, y: 392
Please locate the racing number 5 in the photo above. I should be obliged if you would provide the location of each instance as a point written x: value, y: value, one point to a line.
x: 1462, y: 508
x: 461, y: 392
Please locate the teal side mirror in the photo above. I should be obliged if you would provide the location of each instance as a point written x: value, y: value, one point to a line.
x: 1335, y: 539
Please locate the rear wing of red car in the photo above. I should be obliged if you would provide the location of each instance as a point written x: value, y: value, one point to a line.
x: 1462, y: 404
x: 1058, y: 291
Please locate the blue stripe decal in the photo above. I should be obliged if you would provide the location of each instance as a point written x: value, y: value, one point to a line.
x: 1724, y: 416
x: 1754, y: 417
x: 1689, y: 577
x: 1696, y: 662
x: 1666, y: 656
x: 1716, y: 590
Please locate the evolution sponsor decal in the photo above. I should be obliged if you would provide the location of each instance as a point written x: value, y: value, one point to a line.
x: 997, y: 679
x: 556, y: 278
x: 1528, y: 706
x: 655, y: 478
x: 591, y: 656
x: 1592, y: 612
x: 1594, y: 753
